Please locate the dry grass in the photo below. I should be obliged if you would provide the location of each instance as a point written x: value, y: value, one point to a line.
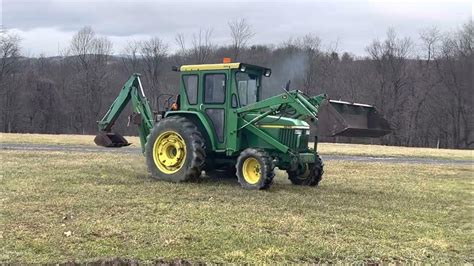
x: 52, y: 139
x: 112, y: 208
x: 324, y: 148
x: 379, y: 150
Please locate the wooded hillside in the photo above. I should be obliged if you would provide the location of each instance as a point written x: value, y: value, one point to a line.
x: 423, y: 87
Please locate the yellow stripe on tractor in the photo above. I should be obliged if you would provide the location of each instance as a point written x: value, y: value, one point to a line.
x: 209, y: 67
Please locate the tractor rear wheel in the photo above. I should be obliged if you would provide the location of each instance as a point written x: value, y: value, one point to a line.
x: 308, y: 174
x: 255, y: 169
x: 175, y: 150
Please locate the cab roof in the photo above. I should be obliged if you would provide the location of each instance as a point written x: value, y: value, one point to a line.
x: 217, y: 66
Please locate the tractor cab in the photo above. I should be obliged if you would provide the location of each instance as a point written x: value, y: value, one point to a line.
x: 216, y: 82
x: 215, y: 91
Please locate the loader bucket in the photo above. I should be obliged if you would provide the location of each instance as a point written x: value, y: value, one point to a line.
x: 110, y: 140
x: 337, y: 118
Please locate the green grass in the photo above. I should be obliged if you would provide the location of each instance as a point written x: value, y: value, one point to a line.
x: 324, y: 148
x: 360, y: 212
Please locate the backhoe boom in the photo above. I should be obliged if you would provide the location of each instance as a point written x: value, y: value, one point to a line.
x: 142, y: 115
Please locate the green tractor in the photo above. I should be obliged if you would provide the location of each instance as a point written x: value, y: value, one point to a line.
x: 220, y: 122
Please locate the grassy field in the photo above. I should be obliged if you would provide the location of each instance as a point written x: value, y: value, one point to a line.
x: 59, y: 207
x: 324, y: 148
x: 394, y: 151
x: 50, y: 139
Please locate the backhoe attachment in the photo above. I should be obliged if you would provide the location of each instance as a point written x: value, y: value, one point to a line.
x: 142, y: 115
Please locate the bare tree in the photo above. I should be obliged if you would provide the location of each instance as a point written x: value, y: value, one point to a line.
x: 9, y: 63
x: 310, y: 44
x: 241, y: 32
x: 9, y: 53
x: 202, y: 46
x: 92, y: 51
x: 454, y: 66
x: 90, y: 56
x: 153, y: 52
x: 181, y: 42
x: 430, y: 37
x: 102, y: 50
x: 130, y: 60
x: 425, y: 82
x: 81, y: 46
x: 390, y: 61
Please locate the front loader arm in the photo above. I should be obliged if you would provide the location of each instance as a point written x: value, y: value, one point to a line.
x: 131, y: 91
x: 299, y: 105
x: 333, y: 118
x: 303, y: 106
x: 337, y: 118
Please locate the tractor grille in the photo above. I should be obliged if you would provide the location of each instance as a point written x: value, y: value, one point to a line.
x: 289, y: 138
x: 304, y: 141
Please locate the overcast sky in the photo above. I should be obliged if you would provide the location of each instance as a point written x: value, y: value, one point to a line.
x: 48, y: 25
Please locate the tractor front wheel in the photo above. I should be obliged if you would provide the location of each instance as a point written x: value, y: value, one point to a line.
x: 255, y: 169
x: 307, y: 174
x: 175, y: 150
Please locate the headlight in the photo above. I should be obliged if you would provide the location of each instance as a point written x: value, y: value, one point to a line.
x: 307, y: 132
x: 267, y: 73
x: 298, y: 131
x: 242, y: 68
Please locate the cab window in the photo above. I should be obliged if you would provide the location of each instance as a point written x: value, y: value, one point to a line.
x: 247, y: 87
x: 214, y: 88
x: 191, y: 88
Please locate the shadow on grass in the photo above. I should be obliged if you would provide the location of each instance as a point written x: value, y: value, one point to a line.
x: 217, y: 179
x: 212, y: 179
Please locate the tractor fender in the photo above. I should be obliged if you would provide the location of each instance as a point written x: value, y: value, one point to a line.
x: 201, y: 122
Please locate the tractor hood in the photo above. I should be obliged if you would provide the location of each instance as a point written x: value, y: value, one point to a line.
x: 273, y: 121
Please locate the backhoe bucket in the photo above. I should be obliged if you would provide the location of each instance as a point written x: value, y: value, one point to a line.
x: 337, y: 118
x: 110, y: 140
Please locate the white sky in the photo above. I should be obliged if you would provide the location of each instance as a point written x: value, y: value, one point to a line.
x: 47, y: 26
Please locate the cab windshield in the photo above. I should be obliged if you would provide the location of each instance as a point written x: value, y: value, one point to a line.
x: 248, y: 86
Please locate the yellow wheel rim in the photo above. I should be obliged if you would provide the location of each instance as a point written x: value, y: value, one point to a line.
x: 169, y: 152
x: 251, y: 170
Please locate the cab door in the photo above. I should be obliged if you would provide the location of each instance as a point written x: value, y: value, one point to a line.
x: 214, y: 84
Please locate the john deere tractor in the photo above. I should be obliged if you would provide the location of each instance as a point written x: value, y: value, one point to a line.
x: 219, y: 121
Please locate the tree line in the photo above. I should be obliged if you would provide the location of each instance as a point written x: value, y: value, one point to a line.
x: 423, y: 87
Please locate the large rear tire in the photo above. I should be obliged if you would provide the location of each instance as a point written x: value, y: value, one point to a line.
x: 175, y: 150
x: 255, y: 169
x: 308, y: 174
